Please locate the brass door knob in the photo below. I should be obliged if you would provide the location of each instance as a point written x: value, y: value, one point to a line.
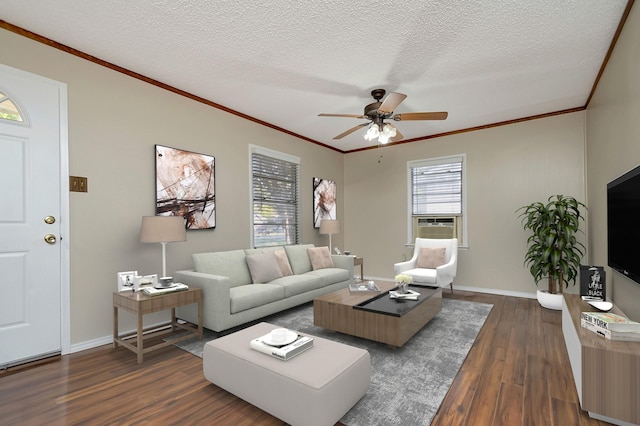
x: 50, y: 239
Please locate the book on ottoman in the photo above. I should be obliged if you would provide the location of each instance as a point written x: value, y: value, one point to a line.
x: 283, y: 352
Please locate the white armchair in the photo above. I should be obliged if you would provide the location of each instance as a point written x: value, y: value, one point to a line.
x: 432, y: 274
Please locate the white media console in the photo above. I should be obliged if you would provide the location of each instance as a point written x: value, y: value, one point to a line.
x: 606, y: 373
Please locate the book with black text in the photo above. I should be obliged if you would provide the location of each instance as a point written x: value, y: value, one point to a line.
x: 611, y: 321
x: 628, y: 336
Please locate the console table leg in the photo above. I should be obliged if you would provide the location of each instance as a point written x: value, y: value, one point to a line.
x: 139, y: 338
x: 115, y: 327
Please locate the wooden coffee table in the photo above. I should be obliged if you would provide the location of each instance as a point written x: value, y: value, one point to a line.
x: 367, y: 314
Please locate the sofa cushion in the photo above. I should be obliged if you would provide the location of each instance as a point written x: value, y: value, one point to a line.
x: 263, y: 267
x: 225, y: 263
x: 250, y: 296
x: 422, y: 275
x: 299, y: 258
x: 298, y: 284
x: 329, y: 276
x: 283, y: 262
x: 431, y: 258
x: 320, y: 258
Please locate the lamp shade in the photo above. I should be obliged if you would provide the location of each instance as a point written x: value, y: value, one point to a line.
x: 162, y: 229
x: 329, y: 227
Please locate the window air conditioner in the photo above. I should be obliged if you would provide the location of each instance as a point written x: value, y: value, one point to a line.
x: 436, y: 227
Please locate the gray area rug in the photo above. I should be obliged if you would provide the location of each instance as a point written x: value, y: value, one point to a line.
x: 408, y: 384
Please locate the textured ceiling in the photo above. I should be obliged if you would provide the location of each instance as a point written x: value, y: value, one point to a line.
x: 285, y: 61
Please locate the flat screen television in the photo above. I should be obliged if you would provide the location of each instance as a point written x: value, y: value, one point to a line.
x: 623, y: 224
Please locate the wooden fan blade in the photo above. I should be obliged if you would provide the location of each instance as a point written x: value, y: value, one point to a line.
x: 351, y: 130
x: 342, y: 115
x: 399, y: 136
x: 421, y: 116
x: 391, y: 102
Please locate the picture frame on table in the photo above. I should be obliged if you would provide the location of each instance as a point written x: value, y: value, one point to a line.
x: 126, y: 280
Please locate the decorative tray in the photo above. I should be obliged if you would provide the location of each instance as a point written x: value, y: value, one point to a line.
x: 364, y: 287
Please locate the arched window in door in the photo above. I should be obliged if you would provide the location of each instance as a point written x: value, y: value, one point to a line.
x: 9, y: 110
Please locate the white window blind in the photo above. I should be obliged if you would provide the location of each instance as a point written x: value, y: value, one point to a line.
x: 436, y: 187
x: 275, y: 200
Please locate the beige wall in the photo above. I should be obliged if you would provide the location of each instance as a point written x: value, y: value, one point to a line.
x: 613, y: 148
x: 114, y: 122
x: 507, y: 167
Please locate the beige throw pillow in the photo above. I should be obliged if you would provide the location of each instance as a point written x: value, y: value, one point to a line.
x: 430, y: 258
x: 283, y: 262
x: 263, y: 267
x: 320, y: 258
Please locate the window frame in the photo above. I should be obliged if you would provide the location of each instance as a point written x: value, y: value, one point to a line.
x: 462, y: 158
x: 254, y: 149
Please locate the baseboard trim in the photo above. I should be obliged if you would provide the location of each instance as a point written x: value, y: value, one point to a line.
x: 108, y: 340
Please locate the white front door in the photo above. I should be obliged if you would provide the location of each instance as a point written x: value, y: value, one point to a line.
x: 30, y: 222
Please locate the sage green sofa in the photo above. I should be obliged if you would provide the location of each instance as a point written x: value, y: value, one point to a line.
x: 232, y: 297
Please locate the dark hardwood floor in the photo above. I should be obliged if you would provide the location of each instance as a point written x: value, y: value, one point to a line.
x: 517, y: 373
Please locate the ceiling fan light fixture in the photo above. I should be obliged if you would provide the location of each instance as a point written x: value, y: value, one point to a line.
x: 388, y: 131
x: 372, y: 133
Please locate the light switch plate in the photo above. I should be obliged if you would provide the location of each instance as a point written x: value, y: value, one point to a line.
x: 78, y: 184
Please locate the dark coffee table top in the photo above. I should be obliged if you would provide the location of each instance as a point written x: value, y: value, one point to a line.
x: 383, y: 304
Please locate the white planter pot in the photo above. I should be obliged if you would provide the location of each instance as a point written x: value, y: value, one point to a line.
x: 550, y: 301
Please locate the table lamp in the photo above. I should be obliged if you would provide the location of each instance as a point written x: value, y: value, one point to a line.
x: 329, y: 227
x: 163, y: 230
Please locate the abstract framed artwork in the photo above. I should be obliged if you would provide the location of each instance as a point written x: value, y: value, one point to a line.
x: 324, y: 200
x: 185, y: 186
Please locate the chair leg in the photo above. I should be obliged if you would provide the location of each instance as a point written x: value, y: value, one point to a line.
x: 451, y: 285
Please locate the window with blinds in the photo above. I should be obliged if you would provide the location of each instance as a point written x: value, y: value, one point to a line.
x: 436, y: 192
x: 436, y: 189
x: 275, y: 198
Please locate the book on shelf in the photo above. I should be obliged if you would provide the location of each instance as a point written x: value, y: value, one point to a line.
x: 286, y: 352
x: 592, y: 281
x: 627, y: 336
x: 610, y: 321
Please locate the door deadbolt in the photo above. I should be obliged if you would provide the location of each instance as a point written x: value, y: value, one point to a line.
x: 49, y: 220
x: 50, y: 239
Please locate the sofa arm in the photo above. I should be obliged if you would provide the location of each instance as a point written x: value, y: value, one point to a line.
x: 399, y: 268
x: 216, y: 298
x: 344, y: 262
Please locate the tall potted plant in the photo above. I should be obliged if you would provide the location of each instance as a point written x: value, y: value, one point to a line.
x: 554, y: 251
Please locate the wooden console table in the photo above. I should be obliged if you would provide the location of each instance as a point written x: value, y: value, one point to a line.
x: 140, y: 304
x: 606, y: 372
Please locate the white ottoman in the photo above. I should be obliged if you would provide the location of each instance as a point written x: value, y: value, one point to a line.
x: 317, y: 387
